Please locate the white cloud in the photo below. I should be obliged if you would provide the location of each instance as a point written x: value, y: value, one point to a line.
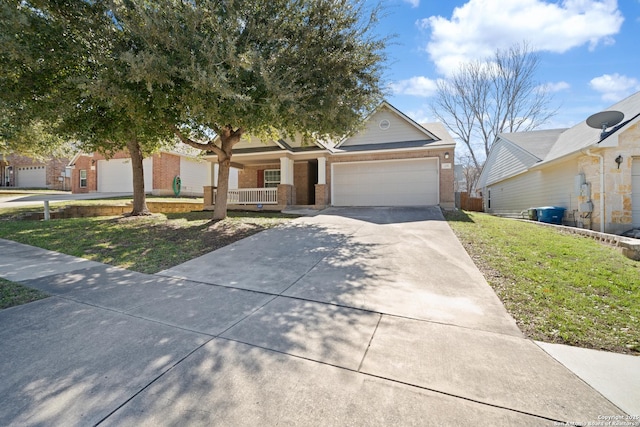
x: 415, y: 86
x: 556, y: 87
x: 413, y: 3
x: 478, y: 27
x: 420, y: 116
x: 614, y: 87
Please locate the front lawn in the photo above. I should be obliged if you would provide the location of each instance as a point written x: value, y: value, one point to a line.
x: 144, y: 244
x: 559, y: 287
x: 15, y: 294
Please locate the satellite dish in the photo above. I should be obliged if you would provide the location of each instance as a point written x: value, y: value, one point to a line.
x: 604, y: 120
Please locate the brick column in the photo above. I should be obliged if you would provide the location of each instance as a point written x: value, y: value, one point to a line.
x: 286, y: 195
x: 321, y: 196
x: 208, y: 197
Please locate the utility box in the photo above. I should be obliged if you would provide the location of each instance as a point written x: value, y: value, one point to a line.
x: 551, y: 214
x: 533, y: 214
x: 585, y: 190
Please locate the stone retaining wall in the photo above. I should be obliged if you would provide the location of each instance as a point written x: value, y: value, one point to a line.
x: 628, y: 246
x: 116, y: 210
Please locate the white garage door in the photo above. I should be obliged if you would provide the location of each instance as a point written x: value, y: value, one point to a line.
x: 385, y: 183
x: 635, y: 192
x: 116, y: 175
x: 32, y: 176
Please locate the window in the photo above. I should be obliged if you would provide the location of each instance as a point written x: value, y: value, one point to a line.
x: 83, y: 178
x: 271, y: 178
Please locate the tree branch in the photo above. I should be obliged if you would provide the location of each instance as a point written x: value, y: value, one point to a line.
x: 209, y: 146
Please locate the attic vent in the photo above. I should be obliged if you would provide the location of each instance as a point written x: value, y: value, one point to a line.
x: 384, y: 124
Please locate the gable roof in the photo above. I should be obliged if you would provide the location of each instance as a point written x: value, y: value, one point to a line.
x: 546, y: 146
x: 582, y: 136
x: 538, y: 143
x: 409, y: 134
x: 440, y: 131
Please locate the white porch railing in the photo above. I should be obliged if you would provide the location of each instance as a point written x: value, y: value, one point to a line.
x: 251, y: 196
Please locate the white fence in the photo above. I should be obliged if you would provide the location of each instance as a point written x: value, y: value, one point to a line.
x: 251, y: 196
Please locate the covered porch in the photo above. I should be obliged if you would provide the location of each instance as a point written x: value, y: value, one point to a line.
x: 273, y: 181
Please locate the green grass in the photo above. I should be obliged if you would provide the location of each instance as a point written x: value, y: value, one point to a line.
x: 559, y: 287
x: 144, y: 244
x: 12, y: 294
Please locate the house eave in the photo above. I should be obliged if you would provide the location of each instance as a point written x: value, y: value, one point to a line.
x: 393, y: 150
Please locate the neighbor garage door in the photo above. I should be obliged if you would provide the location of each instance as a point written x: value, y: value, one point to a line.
x: 116, y: 176
x: 31, y: 176
x: 385, y: 183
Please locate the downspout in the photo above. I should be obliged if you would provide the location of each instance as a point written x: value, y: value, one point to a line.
x: 599, y: 156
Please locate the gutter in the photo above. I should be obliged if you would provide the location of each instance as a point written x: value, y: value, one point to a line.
x: 602, y: 190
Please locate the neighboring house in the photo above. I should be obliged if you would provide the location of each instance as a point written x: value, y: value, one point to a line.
x: 391, y: 161
x: 24, y: 172
x: 594, y: 175
x: 95, y: 173
x: 460, y: 183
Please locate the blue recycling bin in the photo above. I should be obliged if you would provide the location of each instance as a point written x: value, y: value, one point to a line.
x: 551, y: 214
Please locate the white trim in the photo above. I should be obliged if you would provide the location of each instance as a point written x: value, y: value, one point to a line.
x: 392, y: 150
x: 264, y: 178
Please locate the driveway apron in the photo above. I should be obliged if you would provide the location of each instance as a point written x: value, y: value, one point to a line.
x: 355, y: 316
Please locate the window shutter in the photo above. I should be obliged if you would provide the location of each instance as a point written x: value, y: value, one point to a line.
x: 260, y: 178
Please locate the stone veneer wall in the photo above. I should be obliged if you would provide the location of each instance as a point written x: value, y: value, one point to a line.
x: 618, y: 185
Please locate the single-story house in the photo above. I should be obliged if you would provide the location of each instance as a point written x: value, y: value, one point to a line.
x: 593, y: 173
x: 25, y: 172
x: 391, y: 161
x: 95, y: 173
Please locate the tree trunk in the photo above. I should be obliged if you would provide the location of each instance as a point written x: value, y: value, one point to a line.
x: 139, y: 198
x: 228, y: 138
x: 220, y: 206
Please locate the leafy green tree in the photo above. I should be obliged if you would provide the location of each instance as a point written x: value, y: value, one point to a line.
x: 63, y: 75
x: 221, y: 70
x: 136, y: 73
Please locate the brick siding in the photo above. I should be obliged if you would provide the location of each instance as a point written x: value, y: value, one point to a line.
x: 55, y: 168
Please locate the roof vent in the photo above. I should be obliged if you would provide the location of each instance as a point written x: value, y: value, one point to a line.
x: 604, y: 120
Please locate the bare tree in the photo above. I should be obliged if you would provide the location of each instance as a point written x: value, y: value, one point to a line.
x: 469, y: 174
x: 487, y: 97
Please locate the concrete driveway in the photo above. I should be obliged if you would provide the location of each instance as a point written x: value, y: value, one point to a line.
x: 351, y: 317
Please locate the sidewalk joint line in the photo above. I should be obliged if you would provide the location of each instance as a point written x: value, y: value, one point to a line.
x: 152, y: 382
x: 364, y: 356
x: 394, y: 380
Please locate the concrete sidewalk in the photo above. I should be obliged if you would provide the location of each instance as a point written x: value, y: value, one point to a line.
x: 361, y: 316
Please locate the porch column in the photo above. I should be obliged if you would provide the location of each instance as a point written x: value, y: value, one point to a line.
x: 322, y: 170
x: 286, y: 171
x: 286, y: 189
x: 212, y: 184
x: 321, y: 186
x: 214, y: 174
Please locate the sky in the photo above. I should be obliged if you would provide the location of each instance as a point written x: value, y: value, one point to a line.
x: 589, y: 49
